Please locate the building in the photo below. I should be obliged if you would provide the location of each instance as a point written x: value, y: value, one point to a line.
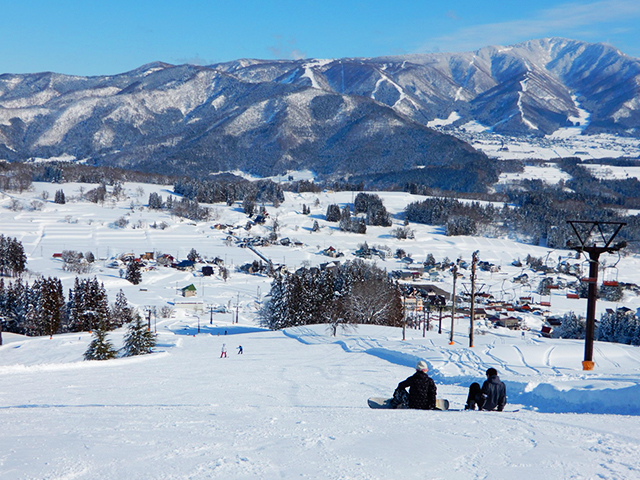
x: 189, y: 291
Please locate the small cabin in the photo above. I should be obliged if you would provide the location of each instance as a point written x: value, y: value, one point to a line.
x: 189, y: 291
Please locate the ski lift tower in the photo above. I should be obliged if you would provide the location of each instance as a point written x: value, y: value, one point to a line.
x: 595, y: 239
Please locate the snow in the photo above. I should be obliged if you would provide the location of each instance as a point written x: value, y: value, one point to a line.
x: 294, y: 404
x: 528, y: 123
x: 564, y: 144
x: 474, y: 126
x: 581, y: 121
x: 439, y: 122
x: 609, y: 172
x: 549, y: 173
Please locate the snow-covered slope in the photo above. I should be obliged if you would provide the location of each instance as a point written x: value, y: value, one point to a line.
x: 294, y: 404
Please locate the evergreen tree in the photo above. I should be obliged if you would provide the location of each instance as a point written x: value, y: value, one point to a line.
x: 333, y: 213
x: 13, y: 260
x: 345, y: 219
x: 248, y: 205
x: 572, y: 327
x: 193, y: 255
x: 133, y: 272
x: 138, y: 340
x: 100, y: 347
x: 88, y: 306
x: 59, y: 197
x: 121, y: 312
x: 155, y: 201
x: 620, y: 326
x: 46, y: 301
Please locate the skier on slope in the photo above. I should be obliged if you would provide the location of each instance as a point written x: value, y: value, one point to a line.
x: 223, y: 352
x: 492, y: 395
x: 422, y: 389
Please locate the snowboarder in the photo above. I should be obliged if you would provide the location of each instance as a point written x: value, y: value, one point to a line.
x: 422, y: 388
x: 223, y: 353
x: 239, y: 349
x: 492, y: 395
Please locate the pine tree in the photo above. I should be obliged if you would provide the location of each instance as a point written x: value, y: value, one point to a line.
x: 100, y: 347
x: 133, y: 272
x: 51, y: 304
x: 345, y: 219
x: 572, y: 327
x: 121, y: 311
x: 138, y: 340
x: 155, y: 201
x: 59, y: 197
x: 193, y: 255
x: 333, y: 213
x: 13, y: 260
x: 620, y: 326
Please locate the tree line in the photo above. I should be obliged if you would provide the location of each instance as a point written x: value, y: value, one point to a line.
x: 619, y: 326
x: 13, y: 260
x: 538, y: 217
x: 40, y: 308
x: 355, y: 292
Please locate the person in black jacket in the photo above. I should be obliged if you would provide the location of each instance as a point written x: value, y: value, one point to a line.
x: 492, y: 395
x: 422, y: 388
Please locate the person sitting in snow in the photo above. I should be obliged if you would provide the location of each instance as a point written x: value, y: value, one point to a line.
x: 492, y: 395
x: 422, y: 389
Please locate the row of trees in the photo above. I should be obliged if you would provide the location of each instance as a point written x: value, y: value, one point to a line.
x: 41, y: 308
x: 347, y: 222
x: 13, y: 260
x: 353, y: 293
x: 537, y: 216
x: 229, y: 189
x: 619, y: 326
x: 137, y: 341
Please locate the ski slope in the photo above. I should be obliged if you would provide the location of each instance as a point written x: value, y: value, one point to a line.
x: 294, y: 404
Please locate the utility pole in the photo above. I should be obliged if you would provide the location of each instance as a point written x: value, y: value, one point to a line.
x: 426, y: 316
x: 404, y: 316
x: 472, y: 314
x: 237, y: 306
x: 148, y: 308
x: 454, y: 270
x: 590, y: 234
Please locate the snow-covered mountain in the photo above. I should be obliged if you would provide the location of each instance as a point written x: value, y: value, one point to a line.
x: 340, y: 116
x: 533, y: 87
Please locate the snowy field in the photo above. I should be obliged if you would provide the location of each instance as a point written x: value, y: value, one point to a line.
x: 564, y: 142
x: 549, y: 174
x: 294, y: 404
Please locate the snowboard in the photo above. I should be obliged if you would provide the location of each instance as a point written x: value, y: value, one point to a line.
x: 381, y: 402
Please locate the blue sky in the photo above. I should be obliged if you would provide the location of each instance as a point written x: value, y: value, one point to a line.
x: 109, y: 37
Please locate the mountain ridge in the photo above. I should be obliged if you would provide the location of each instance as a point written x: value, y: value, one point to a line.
x: 338, y: 117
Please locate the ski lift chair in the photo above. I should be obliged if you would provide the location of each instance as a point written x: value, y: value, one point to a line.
x: 610, y: 277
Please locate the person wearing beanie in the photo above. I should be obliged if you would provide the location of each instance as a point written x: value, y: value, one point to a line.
x: 422, y: 388
x: 492, y: 395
